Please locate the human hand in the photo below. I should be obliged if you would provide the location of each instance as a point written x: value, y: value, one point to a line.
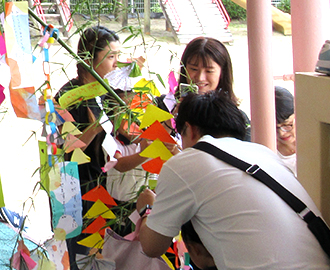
x: 144, y: 144
x: 146, y: 197
x: 172, y: 147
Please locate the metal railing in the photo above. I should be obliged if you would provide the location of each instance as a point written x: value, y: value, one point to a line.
x: 171, y: 6
x: 223, y: 12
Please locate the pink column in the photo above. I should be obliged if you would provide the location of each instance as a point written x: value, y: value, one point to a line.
x: 310, y: 23
x: 259, y: 25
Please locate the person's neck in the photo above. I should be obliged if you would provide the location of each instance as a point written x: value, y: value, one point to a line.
x: 285, y: 149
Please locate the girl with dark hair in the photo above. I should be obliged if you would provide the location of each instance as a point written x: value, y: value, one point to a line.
x: 285, y: 127
x: 206, y: 63
x: 98, y: 47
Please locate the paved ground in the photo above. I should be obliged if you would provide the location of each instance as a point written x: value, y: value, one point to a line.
x: 19, y: 161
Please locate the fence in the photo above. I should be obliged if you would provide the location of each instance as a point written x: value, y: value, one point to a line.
x: 110, y: 6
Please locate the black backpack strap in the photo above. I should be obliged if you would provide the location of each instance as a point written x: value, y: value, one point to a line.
x: 255, y: 171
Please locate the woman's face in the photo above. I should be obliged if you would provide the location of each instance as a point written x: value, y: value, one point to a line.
x: 206, y: 78
x: 286, y: 131
x: 106, y: 59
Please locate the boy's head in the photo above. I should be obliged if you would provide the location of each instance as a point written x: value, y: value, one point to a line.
x: 209, y: 114
x: 197, y: 251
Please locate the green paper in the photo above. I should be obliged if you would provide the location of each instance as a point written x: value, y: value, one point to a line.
x: 2, y: 201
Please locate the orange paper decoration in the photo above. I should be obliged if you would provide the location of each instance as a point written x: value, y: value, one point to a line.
x: 98, y: 225
x: 99, y: 193
x: 157, y: 131
x: 140, y: 101
x: 154, y: 165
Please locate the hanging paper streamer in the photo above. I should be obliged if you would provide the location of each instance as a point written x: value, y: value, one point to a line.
x: 44, y: 163
x: 65, y: 199
x: 19, y: 59
x: 85, y: 92
x: 58, y: 253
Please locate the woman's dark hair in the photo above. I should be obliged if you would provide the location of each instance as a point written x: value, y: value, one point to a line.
x: 212, y: 114
x: 189, y: 234
x: 284, y: 103
x: 92, y: 41
x: 206, y: 48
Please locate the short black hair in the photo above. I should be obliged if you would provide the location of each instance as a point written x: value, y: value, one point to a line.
x: 284, y: 103
x: 189, y: 234
x: 212, y: 114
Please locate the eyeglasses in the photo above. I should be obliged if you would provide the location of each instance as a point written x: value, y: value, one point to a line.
x: 286, y: 128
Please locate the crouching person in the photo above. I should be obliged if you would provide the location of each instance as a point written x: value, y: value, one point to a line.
x: 241, y: 222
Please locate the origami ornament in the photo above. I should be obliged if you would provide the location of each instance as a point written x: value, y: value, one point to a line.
x: 154, y: 165
x: 98, y: 225
x: 21, y: 259
x: 156, y: 130
x: 100, y: 209
x: 80, y: 157
x: 99, y: 193
x: 93, y: 241
x: 156, y: 149
x: 147, y: 87
x: 68, y: 127
x: 152, y: 114
x: 71, y: 143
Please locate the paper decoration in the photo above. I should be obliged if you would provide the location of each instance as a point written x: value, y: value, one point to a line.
x: 139, y: 101
x: 62, y: 113
x: 154, y: 165
x: 170, y: 101
x: 68, y: 127
x: 156, y: 130
x: 58, y: 253
x: 65, y: 197
x: 2, y: 94
x: 71, y: 143
x: 133, y: 129
x: 93, y: 241
x: 19, y: 59
x: 2, y: 45
x: 98, y: 225
x: 100, y: 209
x: 99, y: 193
x: 156, y: 149
x: 21, y: 259
x: 173, y: 83
x: 120, y: 79
x: 146, y: 86
x: 43, y: 263
x: 2, y: 201
x: 152, y: 114
x: 85, y: 92
x: 110, y: 146
x: 44, y: 164
x: 80, y: 157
